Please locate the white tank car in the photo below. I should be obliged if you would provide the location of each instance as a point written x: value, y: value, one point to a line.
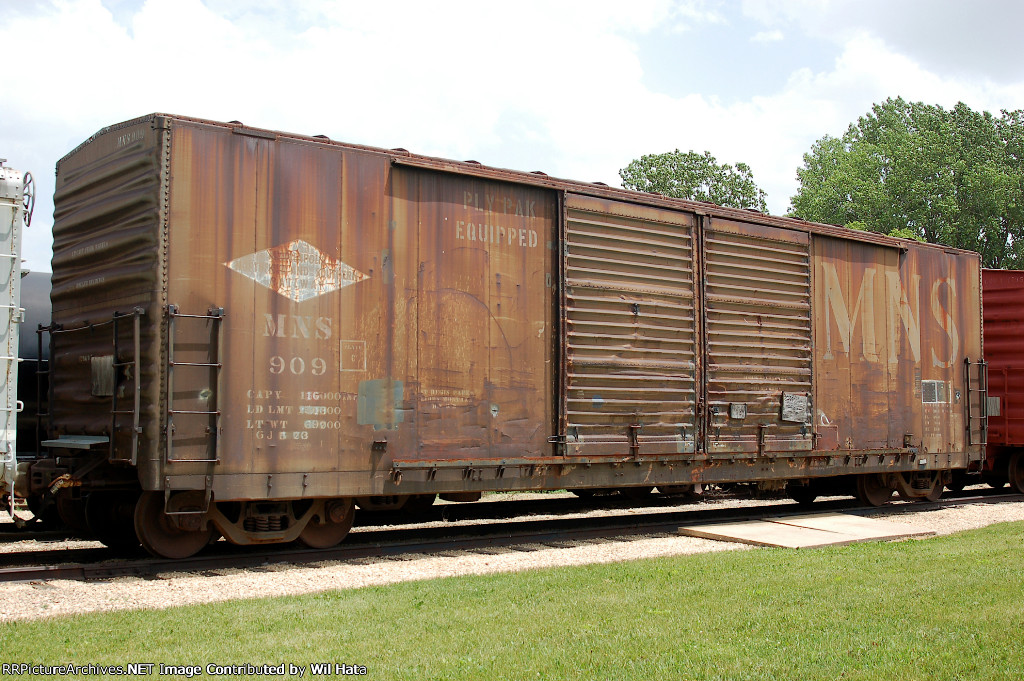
x: 17, y: 198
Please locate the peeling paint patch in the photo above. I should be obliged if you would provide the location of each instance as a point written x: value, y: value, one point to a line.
x: 379, y: 403
x: 296, y: 270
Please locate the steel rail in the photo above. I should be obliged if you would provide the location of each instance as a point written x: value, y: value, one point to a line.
x: 384, y: 544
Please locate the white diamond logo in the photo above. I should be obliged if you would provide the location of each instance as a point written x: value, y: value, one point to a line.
x: 297, y: 270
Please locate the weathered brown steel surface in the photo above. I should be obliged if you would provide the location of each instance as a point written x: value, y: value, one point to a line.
x: 485, y: 316
x: 758, y: 338
x: 631, y: 341
x: 892, y: 330
x: 474, y: 328
x: 407, y: 308
x: 107, y: 259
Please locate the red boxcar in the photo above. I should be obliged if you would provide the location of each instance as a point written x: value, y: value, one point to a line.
x: 1004, y: 352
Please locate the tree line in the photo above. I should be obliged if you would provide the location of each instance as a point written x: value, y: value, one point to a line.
x: 907, y: 169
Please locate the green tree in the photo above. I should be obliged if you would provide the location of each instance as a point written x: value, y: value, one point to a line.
x: 917, y: 170
x: 695, y: 177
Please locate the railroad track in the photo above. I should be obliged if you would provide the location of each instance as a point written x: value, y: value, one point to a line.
x: 10, y: 536
x: 383, y: 543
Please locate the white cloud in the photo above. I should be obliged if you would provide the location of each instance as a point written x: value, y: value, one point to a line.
x: 550, y: 86
x: 768, y: 37
x: 948, y: 37
x: 686, y: 15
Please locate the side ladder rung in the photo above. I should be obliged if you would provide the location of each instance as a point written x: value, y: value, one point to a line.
x: 215, y: 329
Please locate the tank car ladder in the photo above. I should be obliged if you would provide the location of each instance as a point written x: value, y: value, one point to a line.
x: 215, y: 318
x: 15, y: 315
x: 977, y: 419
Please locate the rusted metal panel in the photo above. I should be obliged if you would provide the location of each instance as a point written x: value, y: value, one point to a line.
x: 107, y: 260
x: 631, y: 338
x: 256, y: 228
x: 1003, y: 293
x: 371, y: 313
x: 387, y: 315
x: 758, y: 314
x: 600, y: 190
x: 892, y: 330
x: 485, y: 314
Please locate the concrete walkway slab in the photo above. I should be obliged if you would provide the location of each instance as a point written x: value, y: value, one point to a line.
x: 806, y: 531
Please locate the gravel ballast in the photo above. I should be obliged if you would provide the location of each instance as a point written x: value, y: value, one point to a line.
x: 54, y: 598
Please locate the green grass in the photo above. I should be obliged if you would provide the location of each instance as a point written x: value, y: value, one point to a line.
x: 944, y: 608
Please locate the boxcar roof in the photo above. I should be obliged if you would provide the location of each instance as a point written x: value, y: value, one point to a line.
x: 403, y: 157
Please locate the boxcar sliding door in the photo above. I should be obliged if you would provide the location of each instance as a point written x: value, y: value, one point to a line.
x: 630, y: 339
x: 758, y: 331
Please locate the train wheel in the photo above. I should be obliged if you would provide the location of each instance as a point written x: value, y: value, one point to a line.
x: 71, y: 511
x: 111, y: 518
x: 1017, y: 472
x: 330, y: 525
x: 167, y: 536
x: 873, y: 490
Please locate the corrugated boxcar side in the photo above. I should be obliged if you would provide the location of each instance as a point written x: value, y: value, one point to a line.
x: 892, y: 329
x: 1004, y: 352
x: 372, y: 314
x: 107, y: 259
x: 631, y: 334
x: 758, y: 338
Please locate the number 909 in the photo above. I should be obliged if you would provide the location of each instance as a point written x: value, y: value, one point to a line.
x: 297, y: 365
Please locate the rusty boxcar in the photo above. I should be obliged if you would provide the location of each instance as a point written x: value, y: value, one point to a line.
x: 253, y: 328
x: 1002, y: 291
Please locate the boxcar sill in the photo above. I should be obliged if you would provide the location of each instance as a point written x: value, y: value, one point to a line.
x: 414, y: 464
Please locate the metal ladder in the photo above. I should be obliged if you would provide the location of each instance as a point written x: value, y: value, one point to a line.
x: 43, y: 379
x: 980, y: 393
x: 215, y: 318
x: 118, y: 369
x: 133, y: 367
x: 10, y: 406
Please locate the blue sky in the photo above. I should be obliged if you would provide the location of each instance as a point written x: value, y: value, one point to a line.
x: 576, y: 89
